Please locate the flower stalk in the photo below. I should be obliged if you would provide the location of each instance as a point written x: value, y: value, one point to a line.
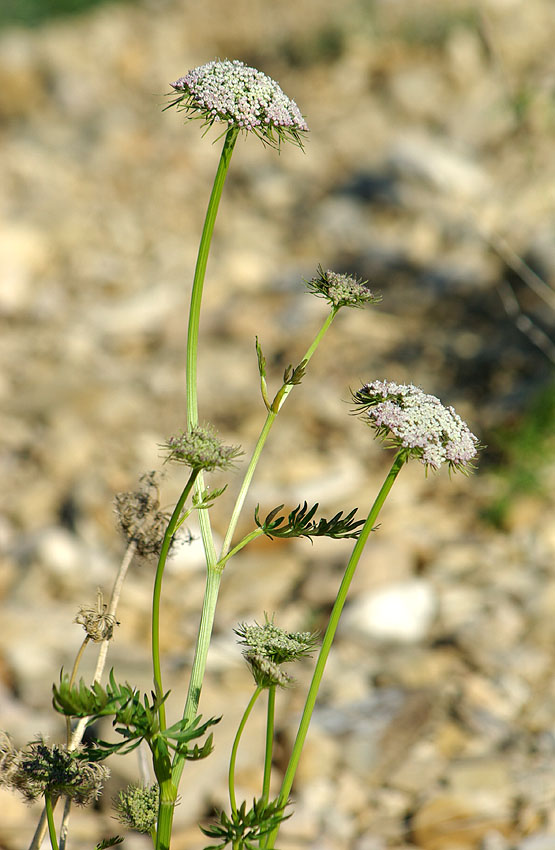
x: 329, y: 635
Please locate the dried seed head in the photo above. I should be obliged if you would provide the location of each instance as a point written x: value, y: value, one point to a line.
x: 341, y: 290
x: 200, y: 448
x: 97, y: 623
x: 41, y: 769
x: 410, y: 419
x: 139, y: 516
x: 137, y: 807
x: 8, y: 759
x: 242, y: 97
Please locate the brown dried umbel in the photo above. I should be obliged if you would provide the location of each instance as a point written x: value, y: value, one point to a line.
x: 139, y: 516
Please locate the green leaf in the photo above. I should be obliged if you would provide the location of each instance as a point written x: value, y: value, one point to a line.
x: 245, y: 827
x: 300, y: 523
x: 261, y: 360
x: 109, y: 842
x: 295, y: 375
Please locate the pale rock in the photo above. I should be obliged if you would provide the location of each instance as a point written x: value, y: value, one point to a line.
x: 540, y: 841
x: 423, y: 158
x: 402, y: 612
x: 24, y: 256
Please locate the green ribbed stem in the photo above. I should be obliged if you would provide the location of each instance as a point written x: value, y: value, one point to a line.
x: 157, y: 592
x: 329, y: 636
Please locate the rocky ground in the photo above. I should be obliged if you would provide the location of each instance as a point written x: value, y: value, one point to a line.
x: 429, y: 170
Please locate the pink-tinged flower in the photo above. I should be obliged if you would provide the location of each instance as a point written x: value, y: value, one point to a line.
x: 240, y: 96
x: 408, y: 418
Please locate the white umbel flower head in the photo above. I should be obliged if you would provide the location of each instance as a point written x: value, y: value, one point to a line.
x: 408, y: 418
x: 234, y: 93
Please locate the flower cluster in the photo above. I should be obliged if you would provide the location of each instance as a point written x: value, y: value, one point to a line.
x: 413, y: 420
x: 268, y: 646
x: 137, y: 807
x: 200, y: 448
x: 341, y: 290
x: 38, y: 769
x: 245, y: 98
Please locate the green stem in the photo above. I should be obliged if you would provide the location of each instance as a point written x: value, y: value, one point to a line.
x: 194, y: 320
x: 289, y: 776
x: 211, y: 590
x: 248, y: 538
x: 50, y: 819
x: 213, y: 576
x: 200, y: 271
x: 157, y: 591
x: 277, y: 405
x: 235, y: 747
x: 72, y: 677
x: 238, y: 507
x: 166, y: 808
x: 269, y: 742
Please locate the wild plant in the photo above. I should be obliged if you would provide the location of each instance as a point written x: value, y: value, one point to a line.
x: 415, y: 425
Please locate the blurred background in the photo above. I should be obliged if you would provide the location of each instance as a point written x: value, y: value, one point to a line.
x: 429, y: 171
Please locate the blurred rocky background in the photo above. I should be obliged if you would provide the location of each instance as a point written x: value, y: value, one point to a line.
x: 429, y: 170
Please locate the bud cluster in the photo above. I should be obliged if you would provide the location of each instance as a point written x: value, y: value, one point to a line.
x: 341, y: 290
x: 137, y: 807
x: 200, y: 448
x: 268, y: 646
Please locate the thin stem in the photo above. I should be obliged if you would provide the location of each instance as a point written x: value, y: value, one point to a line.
x: 289, y: 776
x: 79, y: 730
x: 280, y: 399
x: 64, y: 828
x: 200, y: 272
x: 157, y: 591
x: 235, y: 747
x: 50, y: 819
x: 213, y: 576
x: 247, y: 482
x: 211, y: 590
x: 248, y: 538
x: 270, y: 720
x: 194, y: 319
x: 76, y: 663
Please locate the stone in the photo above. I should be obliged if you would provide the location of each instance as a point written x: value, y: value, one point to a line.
x: 402, y: 612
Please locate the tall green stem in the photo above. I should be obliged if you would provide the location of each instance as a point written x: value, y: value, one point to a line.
x: 329, y: 636
x: 156, y: 594
x: 194, y: 319
x: 278, y: 404
x: 200, y: 272
x: 213, y: 577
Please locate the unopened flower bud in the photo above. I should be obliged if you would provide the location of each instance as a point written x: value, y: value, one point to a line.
x: 341, y: 290
x: 200, y: 448
x: 137, y: 807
